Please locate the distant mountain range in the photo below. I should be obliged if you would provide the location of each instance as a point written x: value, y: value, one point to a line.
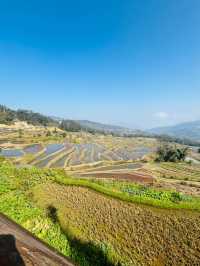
x: 97, y: 126
x: 107, y: 128
x: 189, y: 130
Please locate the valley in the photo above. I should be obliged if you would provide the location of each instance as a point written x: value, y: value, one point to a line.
x: 100, y: 133
x: 101, y: 199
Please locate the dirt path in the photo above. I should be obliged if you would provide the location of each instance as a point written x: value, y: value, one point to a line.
x: 18, y: 247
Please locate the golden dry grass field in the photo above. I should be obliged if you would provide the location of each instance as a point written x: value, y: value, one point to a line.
x: 140, y: 235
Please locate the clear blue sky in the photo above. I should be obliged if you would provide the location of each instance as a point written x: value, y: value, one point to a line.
x: 131, y: 62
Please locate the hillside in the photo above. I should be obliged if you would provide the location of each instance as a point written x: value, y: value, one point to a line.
x: 107, y: 128
x: 97, y: 198
x: 102, y: 223
x: 187, y: 130
x: 9, y: 116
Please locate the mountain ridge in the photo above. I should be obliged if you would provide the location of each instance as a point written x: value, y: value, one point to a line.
x: 9, y: 116
x: 189, y: 130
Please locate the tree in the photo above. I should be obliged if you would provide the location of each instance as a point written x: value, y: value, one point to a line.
x: 171, y: 153
x: 70, y: 125
x: 8, y: 116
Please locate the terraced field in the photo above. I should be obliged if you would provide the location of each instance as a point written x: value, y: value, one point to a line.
x: 163, y: 240
x: 81, y: 154
x: 70, y: 154
x: 183, y: 177
x: 177, y: 171
x: 98, y: 156
x: 101, y: 200
x: 102, y: 222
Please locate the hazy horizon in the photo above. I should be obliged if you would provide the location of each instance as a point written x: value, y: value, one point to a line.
x: 122, y: 124
x: 133, y: 63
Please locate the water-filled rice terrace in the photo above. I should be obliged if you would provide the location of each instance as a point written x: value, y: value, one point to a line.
x: 70, y: 154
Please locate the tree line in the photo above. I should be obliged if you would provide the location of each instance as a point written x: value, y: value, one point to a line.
x: 9, y: 116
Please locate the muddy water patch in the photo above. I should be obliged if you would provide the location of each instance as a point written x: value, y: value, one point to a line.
x: 32, y: 149
x: 12, y: 153
x: 51, y: 148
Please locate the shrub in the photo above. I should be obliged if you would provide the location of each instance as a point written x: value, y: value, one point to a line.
x: 48, y: 134
x: 176, y: 197
x: 64, y: 135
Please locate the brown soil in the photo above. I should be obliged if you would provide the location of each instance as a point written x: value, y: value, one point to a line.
x: 136, y: 177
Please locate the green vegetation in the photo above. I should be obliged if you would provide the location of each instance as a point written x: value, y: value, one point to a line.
x: 134, y: 233
x: 75, y: 126
x: 8, y: 116
x: 145, y: 191
x: 16, y: 202
x: 121, y: 190
x: 70, y: 125
x: 71, y: 216
x: 136, y: 193
x: 169, y: 139
x: 100, y: 221
x: 169, y: 153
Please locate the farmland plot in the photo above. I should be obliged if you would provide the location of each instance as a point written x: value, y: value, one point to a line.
x: 84, y: 149
x: 138, y: 235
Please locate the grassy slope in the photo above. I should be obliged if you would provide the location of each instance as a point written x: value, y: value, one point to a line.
x: 140, y: 235
x: 165, y: 199
x: 96, y: 230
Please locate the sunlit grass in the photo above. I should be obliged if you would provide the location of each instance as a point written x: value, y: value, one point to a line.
x: 98, y: 222
x: 136, y: 194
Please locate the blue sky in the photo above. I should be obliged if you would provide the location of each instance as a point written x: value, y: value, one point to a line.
x: 133, y: 62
